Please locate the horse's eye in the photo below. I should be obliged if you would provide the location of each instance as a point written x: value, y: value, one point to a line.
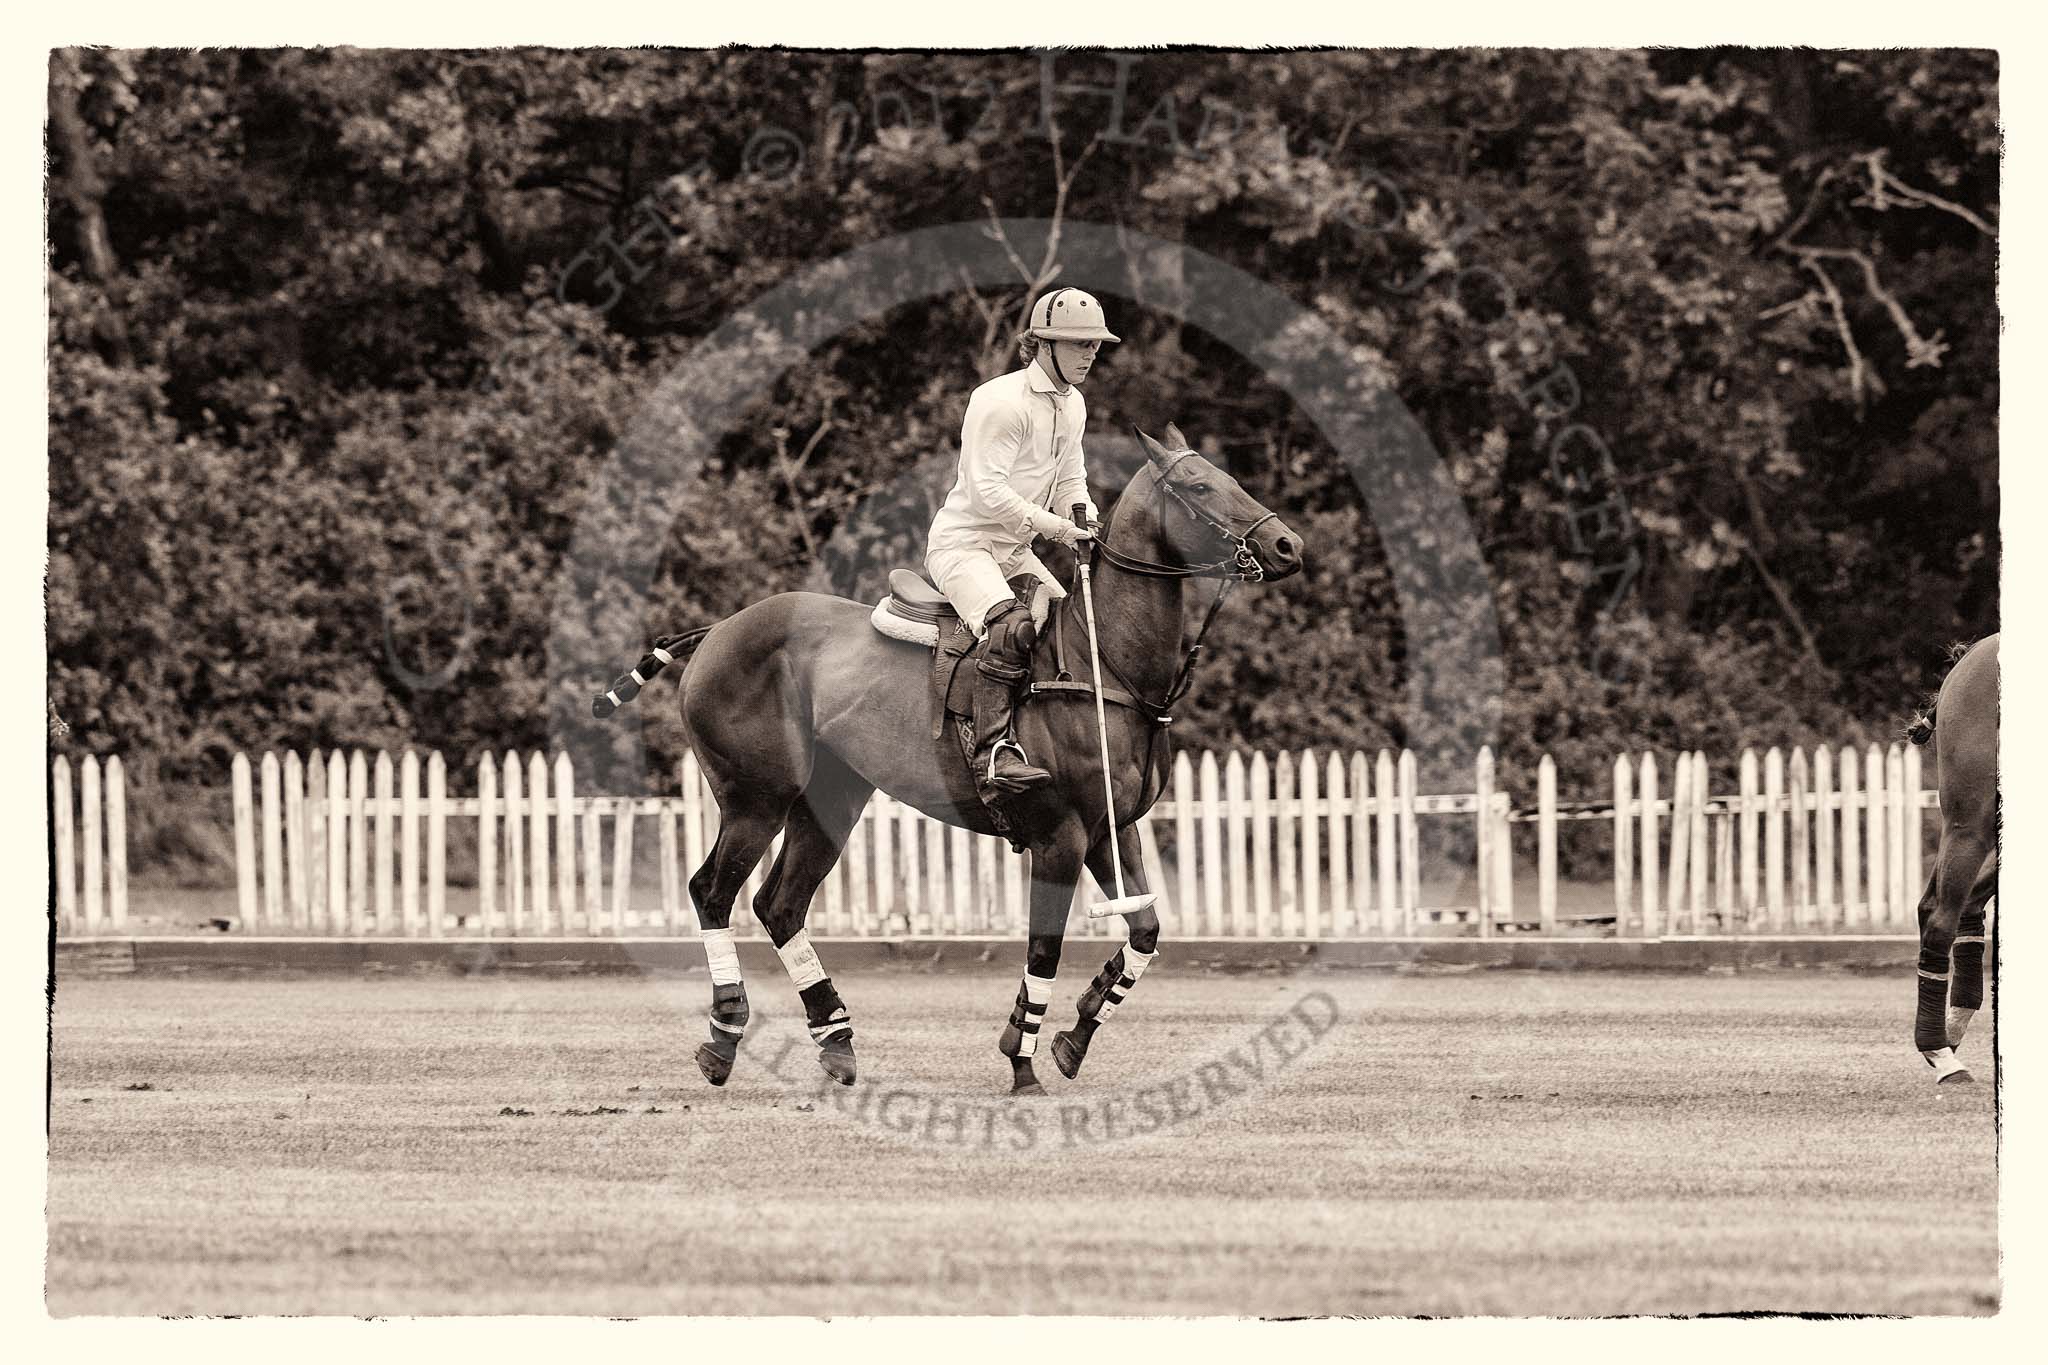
x: 1202, y: 488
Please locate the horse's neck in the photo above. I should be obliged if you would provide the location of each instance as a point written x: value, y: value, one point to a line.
x: 1137, y: 616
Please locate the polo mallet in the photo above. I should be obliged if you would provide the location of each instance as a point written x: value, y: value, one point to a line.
x: 1122, y: 905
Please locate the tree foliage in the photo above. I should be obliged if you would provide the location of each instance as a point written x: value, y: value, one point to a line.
x: 329, y: 387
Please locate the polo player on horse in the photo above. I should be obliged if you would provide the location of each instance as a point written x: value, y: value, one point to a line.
x: 1020, y: 457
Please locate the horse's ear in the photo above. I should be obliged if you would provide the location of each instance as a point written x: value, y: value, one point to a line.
x: 1155, y: 452
x: 1176, y: 440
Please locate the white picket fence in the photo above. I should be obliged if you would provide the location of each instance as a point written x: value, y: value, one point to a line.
x: 1293, y: 846
x: 89, y: 839
x: 1813, y: 847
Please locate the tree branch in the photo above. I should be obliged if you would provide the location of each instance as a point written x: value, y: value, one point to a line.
x: 1887, y: 189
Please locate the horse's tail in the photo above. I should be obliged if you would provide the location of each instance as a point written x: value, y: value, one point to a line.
x: 667, y: 649
x: 1922, y: 727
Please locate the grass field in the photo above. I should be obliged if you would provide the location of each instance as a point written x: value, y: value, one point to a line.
x: 1500, y: 1143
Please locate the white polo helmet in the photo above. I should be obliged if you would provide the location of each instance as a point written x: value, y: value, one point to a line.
x: 1070, y: 315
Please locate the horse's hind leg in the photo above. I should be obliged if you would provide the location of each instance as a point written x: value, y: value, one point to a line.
x: 812, y: 838
x: 744, y: 834
x: 1958, y: 865
x: 1120, y: 974
x: 1966, y: 990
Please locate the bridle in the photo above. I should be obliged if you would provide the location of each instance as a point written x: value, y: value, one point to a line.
x: 1241, y: 566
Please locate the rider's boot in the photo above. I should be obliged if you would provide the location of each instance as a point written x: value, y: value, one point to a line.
x: 1000, y: 767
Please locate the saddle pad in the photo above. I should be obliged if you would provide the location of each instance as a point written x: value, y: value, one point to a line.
x: 926, y: 633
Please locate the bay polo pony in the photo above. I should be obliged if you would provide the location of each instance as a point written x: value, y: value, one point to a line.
x: 798, y: 709
x: 1964, y: 728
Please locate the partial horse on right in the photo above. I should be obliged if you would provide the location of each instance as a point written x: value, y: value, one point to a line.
x: 1963, y: 726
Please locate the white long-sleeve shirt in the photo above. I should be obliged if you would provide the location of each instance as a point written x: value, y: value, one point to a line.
x: 1021, y: 467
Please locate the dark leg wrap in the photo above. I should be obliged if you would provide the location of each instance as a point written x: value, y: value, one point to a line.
x: 728, y: 1024
x: 1930, y: 1018
x: 1070, y: 1048
x: 831, y: 1029
x: 825, y: 1012
x: 1025, y: 1019
x: 1967, y: 992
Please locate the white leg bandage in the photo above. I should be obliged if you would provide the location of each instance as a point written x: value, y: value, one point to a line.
x: 1135, y: 964
x: 723, y: 957
x: 801, y: 960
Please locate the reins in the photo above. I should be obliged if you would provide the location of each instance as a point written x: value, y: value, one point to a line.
x: 1240, y: 567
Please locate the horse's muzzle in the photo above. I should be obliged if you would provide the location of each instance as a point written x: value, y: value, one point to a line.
x: 1278, y: 549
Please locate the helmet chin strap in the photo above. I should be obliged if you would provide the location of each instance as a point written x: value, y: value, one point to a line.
x: 1052, y: 349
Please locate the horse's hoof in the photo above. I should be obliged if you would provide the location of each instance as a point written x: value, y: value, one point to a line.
x: 1960, y: 1076
x: 1946, y: 1067
x: 1019, y: 1092
x: 837, y: 1061
x: 1067, y: 1054
x: 717, y: 1069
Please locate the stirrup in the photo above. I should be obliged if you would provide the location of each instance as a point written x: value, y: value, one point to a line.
x: 991, y: 784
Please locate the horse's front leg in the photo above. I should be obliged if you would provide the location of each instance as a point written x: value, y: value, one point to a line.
x: 1121, y: 972
x: 1055, y: 868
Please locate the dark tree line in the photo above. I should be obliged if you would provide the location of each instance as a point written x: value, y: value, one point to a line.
x: 339, y: 340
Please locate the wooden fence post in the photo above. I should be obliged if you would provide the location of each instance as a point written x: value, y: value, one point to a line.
x: 1339, y: 805
x: 1546, y: 844
x: 1361, y: 845
x: 437, y: 844
x: 1746, y: 831
x: 382, y: 783
x: 515, y: 846
x: 1213, y: 884
x: 245, y: 843
x: 337, y: 843
x: 672, y: 875
x: 1311, y: 845
x: 1286, y: 882
x: 1387, y: 874
x: 316, y: 843
x: 62, y: 812
x: 1823, y: 836
x: 1854, y: 907
x: 295, y: 841
x: 1774, y: 838
x: 1874, y: 852
x: 565, y: 840
x: 487, y: 840
x: 358, y: 843
x: 271, y: 824
x: 1802, y: 888
x: 537, y: 841
x: 1624, y: 843
x: 1895, y: 834
x: 117, y: 844
x: 1184, y: 853
x: 1235, y: 836
x: 1482, y: 844
x: 1915, y: 829
x: 1647, y: 786
x: 1411, y: 843
x: 1677, y: 874
x: 593, y: 865
x: 1261, y: 777
x: 1698, y: 841
x: 409, y: 843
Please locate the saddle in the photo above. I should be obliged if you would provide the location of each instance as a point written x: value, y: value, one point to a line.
x: 918, y: 613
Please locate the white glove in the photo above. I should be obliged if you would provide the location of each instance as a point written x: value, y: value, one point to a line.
x: 1066, y: 533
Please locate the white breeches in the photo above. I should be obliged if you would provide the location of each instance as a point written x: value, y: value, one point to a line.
x: 974, y: 579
